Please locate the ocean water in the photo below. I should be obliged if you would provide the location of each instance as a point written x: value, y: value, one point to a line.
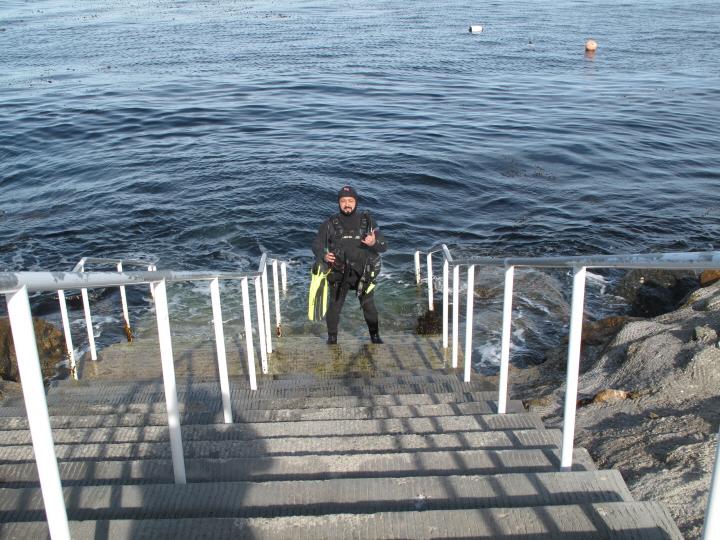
x: 203, y: 132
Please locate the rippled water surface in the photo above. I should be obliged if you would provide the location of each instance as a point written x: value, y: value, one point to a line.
x: 203, y: 132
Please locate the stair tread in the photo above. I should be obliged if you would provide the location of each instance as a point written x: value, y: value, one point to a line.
x: 305, y: 467
x: 8, y: 424
x: 70, y: 385
x: 227, y: 448
x: 213, y: 403
x: 316, y: 497
x: 637, y: 520
x: 87, y: 441
x: 278, y: 381
x: 149, y: 386
x: 141, y: 396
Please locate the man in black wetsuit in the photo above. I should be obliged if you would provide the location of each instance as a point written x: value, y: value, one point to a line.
x: 350, y: 244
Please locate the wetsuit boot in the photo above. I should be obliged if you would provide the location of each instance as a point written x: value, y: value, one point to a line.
x: 367, y: 301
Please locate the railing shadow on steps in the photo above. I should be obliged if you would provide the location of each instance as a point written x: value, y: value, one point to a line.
x: 16, y: 287
x: 137, y: 481
x: 579, y: 265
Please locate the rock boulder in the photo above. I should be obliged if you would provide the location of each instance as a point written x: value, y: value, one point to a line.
x: 50, y: 344
x: 654, y: 292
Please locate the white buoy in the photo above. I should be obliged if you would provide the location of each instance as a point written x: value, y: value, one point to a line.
x: 476, y: 28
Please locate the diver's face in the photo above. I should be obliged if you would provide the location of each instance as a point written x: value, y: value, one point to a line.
x: 347, y: 205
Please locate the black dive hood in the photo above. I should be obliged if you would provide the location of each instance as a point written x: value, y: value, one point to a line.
x: 348, y: 191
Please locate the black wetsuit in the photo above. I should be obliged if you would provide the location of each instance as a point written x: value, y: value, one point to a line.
x: 351, y: 258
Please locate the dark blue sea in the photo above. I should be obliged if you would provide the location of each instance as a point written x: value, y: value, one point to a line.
x: 203, y: 132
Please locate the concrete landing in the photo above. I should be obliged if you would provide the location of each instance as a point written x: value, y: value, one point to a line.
x: 308, y: 356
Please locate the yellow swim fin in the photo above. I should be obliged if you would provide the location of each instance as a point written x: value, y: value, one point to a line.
x: 318, y: 293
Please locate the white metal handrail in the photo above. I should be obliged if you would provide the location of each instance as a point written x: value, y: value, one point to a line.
x: 151, y: 266
x: 711, y: 527
x: 17, y: 285
x: 80, y: 267
x: 58, y: 281
x: 18, y: 307
x: 579, y: 264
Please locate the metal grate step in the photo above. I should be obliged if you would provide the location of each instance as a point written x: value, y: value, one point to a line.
x: 257, y: 416
x: 95, y: 443
x: 306, y: 467
x: 213, y: 404
x: 297, y: 446
x: 317, y: 497
x: 613, y: 520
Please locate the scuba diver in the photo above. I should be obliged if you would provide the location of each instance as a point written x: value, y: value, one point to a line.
x: 349, y: 244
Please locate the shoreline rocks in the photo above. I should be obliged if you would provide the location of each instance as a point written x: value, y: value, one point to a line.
x: 649, y: 392
x: 708, y: 277
x: 51, y: 349
x: 654, y: 292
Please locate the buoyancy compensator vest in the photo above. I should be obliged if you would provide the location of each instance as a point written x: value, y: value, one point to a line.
x: 372, y: 264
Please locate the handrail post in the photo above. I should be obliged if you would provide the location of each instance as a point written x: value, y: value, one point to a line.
x: 505, y: 339
x: 431, y: 306
x: 276, y: 291
x: 18, y: 307
x: 266, y: 306
x: 455, y: 315
x: 283, y: 273
x: 123, y: 300
x: 261, y: 324
x: 446, y: 286
x: 573, y: 368
x: 88, y: 320
x: 469, y: 321
x: 250, y: 352
x: 220, y: 346
x: 68, y: 333
x: 168, y: 370
x: 712, y: 512
x: 417, y: 268
x: 152, y: 268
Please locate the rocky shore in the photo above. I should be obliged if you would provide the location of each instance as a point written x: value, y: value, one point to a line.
x: 649, y: 399
x: 51, y: 350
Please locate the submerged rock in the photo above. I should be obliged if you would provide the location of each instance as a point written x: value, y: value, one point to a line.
x: 429, y: 323
x: 654, y: 292
x: 50, y: 344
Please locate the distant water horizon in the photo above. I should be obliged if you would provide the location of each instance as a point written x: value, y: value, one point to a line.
x: 201, y: 134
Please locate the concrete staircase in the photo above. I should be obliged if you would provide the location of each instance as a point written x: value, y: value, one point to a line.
x: 409, y: 454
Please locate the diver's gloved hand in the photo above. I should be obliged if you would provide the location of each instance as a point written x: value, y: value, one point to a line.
x: 335, y: 260
x: 369, y: 239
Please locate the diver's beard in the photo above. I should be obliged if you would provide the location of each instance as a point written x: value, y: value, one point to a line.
x: 348, y: 212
